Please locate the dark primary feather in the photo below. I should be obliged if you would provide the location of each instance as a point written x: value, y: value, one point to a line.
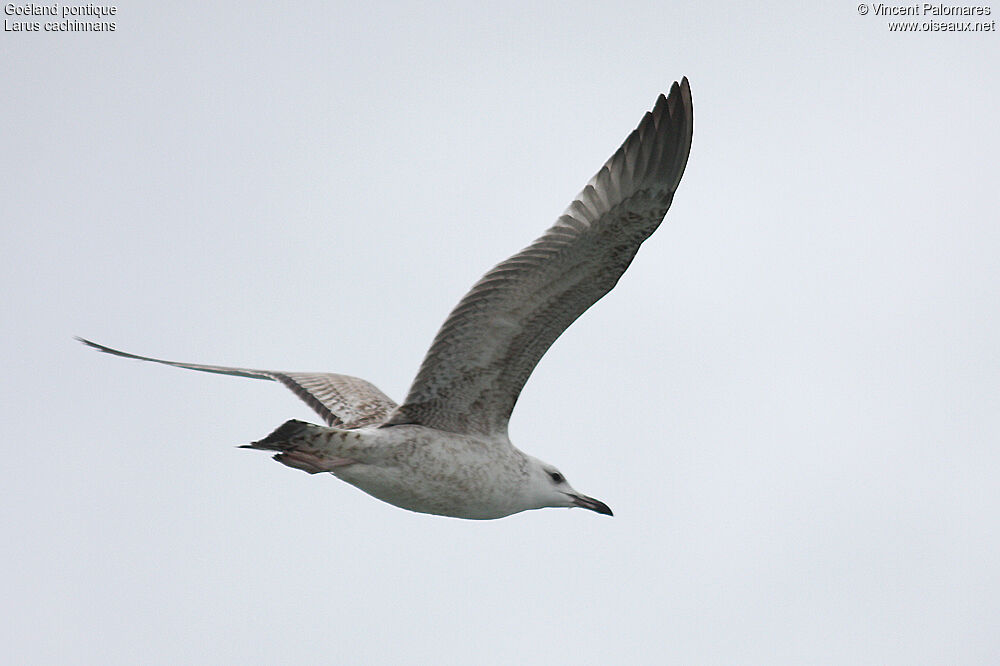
x: 490, y: 343
x: 343, y: 401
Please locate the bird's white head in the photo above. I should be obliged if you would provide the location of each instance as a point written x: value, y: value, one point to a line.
x: 547, y: 487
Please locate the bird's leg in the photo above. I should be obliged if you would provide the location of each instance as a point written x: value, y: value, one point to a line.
x: 311, y: 461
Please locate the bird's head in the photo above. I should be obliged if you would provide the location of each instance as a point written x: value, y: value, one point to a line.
x: 547, y: 487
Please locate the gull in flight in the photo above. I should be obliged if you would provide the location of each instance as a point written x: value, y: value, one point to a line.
x: 445, y: 450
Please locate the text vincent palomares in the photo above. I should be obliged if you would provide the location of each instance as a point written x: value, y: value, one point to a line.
x: 929, y: 9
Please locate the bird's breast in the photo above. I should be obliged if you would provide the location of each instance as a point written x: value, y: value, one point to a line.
x: 431, y: 471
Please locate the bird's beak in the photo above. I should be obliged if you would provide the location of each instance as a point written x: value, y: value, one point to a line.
x: 591, y: 503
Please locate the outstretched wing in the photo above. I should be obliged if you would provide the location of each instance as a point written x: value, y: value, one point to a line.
x: 343, y: 401
x: 492, y: 340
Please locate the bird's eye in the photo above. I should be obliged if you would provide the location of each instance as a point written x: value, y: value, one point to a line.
x: 556, y: 477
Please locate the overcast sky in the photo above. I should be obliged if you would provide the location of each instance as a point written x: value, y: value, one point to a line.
x: 791, y: 400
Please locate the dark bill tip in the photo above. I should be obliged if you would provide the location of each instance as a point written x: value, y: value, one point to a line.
x: 592, y: 504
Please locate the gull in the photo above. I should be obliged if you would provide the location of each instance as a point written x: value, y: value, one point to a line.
x: 445, y: 450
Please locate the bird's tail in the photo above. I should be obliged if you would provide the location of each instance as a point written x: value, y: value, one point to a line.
x: 300, y: 445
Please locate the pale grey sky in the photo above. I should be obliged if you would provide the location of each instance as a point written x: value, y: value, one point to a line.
x: 791, y: 400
